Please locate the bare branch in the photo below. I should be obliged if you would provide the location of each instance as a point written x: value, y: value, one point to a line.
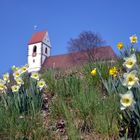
x: 86, y: 41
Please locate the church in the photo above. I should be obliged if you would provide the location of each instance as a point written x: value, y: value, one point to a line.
x: 39, y: 54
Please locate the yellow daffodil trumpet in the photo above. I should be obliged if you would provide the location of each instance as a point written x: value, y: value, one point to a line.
x: 113, y: 71
x: 120, y: 45
x: 94, y: 72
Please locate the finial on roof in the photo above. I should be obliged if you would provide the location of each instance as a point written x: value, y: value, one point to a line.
x: 35, y: 27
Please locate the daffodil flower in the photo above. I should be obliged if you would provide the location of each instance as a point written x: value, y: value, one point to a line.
x: 120, y: 45
x: 130, y: 79
x: 35, y: 75
x: 14, y: 68
x: 133, y: 39
x: 2, y: 81
x: 93, y: 72
x: 19, y: 81
x: 24, y: 69
x: 41, y: 84
x: 130, y: 61
x: 113, y: 71
x: 2, y: 87
x: 17, y: 74
x: 6, y: 77
x: 15, y: 88
x: 127, y: 100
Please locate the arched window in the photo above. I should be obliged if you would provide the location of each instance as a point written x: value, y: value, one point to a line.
x: 34, y: 51
x: 46, y: 50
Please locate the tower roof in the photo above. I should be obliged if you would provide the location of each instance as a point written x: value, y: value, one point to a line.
x: 37, y: 37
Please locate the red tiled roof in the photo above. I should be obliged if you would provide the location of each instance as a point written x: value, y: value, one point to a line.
x: 37, y: 37
x: 72, y: 59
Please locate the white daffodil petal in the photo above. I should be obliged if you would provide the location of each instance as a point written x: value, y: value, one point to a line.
x: 130, y: 79
x: 15, y: 88
x: 130, y: 62
x: 127, y: 100
x: 133, y: 39
x: 122, y: 108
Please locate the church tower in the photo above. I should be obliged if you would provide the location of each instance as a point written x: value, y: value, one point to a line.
x: 39, y: 48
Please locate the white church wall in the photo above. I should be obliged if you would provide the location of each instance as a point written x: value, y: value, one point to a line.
x: 34, y: 61
x: 30, y: 48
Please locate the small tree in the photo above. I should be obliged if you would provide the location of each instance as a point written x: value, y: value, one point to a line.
x: 86, y: 41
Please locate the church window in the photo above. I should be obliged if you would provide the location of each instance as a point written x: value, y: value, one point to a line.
x: 34, y: 51
x: 33, y: 60
x: 46, y: 50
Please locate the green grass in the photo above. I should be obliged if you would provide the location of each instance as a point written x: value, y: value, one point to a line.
x: 80, y: 102
x: 15, y: 126
x: 78, y: 98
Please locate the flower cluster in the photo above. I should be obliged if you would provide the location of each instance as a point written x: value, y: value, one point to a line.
x: 133, y: 40
x: 130, y: 78
x: 40, y: 82
x: 18, y: 77
x: 18, y: 74
x: 112, y: 71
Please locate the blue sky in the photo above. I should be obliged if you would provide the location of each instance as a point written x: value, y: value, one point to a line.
x: 115, y: 20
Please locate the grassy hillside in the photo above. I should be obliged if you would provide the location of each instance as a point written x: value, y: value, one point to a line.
x: 78, y: 106
x: 98, y: 101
